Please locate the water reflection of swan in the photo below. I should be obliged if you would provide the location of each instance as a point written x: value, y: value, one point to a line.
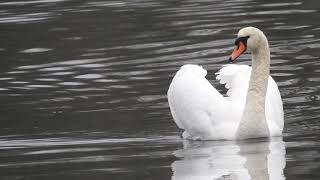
x: 230, y: 160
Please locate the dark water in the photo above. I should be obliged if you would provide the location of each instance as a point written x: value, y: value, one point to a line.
x: 83, y: 88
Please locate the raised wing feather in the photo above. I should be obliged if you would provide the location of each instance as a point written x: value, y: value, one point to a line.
x: 196, y: 105
x: 274, y: 108
x: 236, y: 79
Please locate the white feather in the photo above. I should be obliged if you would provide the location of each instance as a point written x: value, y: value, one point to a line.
x: 199, y: 109
x: 252, y: 109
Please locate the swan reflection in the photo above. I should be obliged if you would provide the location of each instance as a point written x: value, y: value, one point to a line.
x: 254, y: 159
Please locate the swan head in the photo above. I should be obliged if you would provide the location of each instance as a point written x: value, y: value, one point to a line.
x: 248, y: 38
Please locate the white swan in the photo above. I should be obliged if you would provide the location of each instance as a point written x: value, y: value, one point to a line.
x: 253, y: 107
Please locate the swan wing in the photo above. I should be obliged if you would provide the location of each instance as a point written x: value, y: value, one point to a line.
x: 236, y: 79
x: 274, y: 108
x: 196, y: 106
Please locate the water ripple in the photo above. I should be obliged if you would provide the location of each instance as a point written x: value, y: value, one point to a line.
x: 106, y: 65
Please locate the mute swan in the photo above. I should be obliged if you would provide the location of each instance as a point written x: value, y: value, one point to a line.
x: 252, y: 108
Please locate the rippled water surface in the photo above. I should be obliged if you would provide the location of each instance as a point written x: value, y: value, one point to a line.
x: 83, y: 88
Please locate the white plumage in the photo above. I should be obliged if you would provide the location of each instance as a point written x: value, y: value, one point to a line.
x: 205, y: 114
x: 199, y: 109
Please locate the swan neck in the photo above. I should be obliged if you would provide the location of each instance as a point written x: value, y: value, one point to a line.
x: 253, y: 123
x: 259, y: 75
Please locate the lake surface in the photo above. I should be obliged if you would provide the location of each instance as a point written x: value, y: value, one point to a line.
x: 83, y: 88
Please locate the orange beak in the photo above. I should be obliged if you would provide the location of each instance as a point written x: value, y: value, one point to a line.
x: 238, y: 50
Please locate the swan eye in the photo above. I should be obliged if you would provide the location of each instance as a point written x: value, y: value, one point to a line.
x: 241, y: 39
